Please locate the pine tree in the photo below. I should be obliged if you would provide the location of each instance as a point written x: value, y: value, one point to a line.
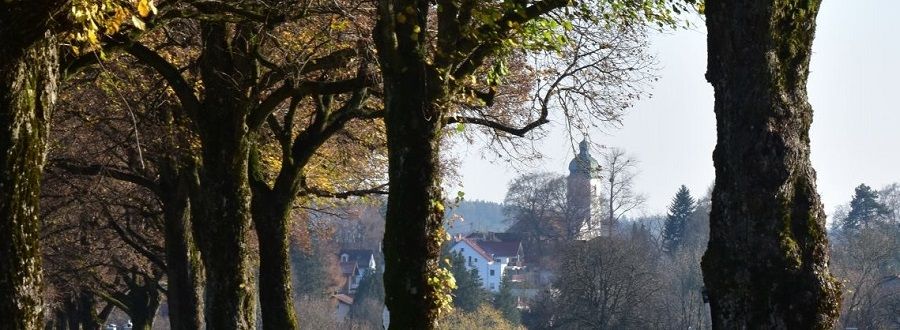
x: 469, y: 293
x: 506, y: 303
x: 680, y: 212
x: 864, y: 209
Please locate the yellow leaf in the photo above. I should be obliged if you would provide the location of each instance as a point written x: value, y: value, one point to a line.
x: 143, y: 7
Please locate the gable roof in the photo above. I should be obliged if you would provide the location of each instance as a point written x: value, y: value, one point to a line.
x: 493, y: 249
x: 360, y: 256
x: 500, y: 249
x: 357, y: 253
x: 349, y: 268
x: 477, y: 248
x: 492, y: 236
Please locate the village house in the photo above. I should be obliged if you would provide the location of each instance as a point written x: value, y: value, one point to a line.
x: 355, y: 264
x: 493, y: 255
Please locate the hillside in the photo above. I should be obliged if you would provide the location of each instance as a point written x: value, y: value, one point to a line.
x: 476, y: 215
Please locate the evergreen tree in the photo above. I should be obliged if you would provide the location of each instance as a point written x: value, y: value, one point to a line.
x: 469, y: 293
x: 506, y: 303
x: 864, y: 209
x: 680, y: 212
x: 371, y: 286
x: 368, y: 303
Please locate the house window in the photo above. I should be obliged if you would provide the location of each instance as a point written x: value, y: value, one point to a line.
x: 344, y: 258
x: 492, y: 272
x: 476, y: 259
x: 470, y: 259
x: 492, y: 286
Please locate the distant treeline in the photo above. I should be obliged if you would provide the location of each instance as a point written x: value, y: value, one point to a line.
x: 476, y: 215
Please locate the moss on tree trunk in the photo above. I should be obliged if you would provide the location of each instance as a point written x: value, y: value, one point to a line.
x: 413, y: 229
x: 416, y: 285
x: 222, y: 217
x: 766, y: 265
x: 271, y: 214
x: 28, y: 86
x: 222, y: 222
x: 183, y: 267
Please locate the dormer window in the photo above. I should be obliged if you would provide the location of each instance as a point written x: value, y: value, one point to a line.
x: 345, y: 257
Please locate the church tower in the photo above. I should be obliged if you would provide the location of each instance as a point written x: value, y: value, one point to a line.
x: 582, y: 187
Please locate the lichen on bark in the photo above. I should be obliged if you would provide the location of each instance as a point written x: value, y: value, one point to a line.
x: 28, y: 86
x: 766, y: 265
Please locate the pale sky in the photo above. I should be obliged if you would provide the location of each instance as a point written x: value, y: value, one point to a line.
x: 852, y: 87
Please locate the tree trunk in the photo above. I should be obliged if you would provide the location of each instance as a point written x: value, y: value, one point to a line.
x: 222, y: 219
x: 413, y: 232
x: 271, y: 217
x: 413, y: 229
x: 183, y: 267
x: 28, y: 87
x: 766, y: 265
x: 415, y: 284
x: 143, y: 304
x: 275, y: 295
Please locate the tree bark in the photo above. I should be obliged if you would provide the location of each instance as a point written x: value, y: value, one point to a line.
x: 143, y: 301
x: 413, y: 229
x: 271, y: 217
x: 272, y: 206
x: 28, y: 87
x: 222, y: 219
x: 766, y: 265
x: 275, y: 294
x: 413, y: 232
x: 183, y: 267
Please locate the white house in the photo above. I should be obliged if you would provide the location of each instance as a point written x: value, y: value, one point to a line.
x: 494, y: 255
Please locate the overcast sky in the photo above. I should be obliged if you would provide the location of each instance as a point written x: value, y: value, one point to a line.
x: 852, y: 87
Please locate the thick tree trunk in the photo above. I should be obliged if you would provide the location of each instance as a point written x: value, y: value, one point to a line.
x: 28, y: 86
x: 275, y: 296
x: 413, y: 233
x: 223, y: 216
x: 413, y: 230
x: 271, y: 217
x: 222, y: 219
x: 414, y: 283
x: 766, y: 265
x: 183, y: 267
